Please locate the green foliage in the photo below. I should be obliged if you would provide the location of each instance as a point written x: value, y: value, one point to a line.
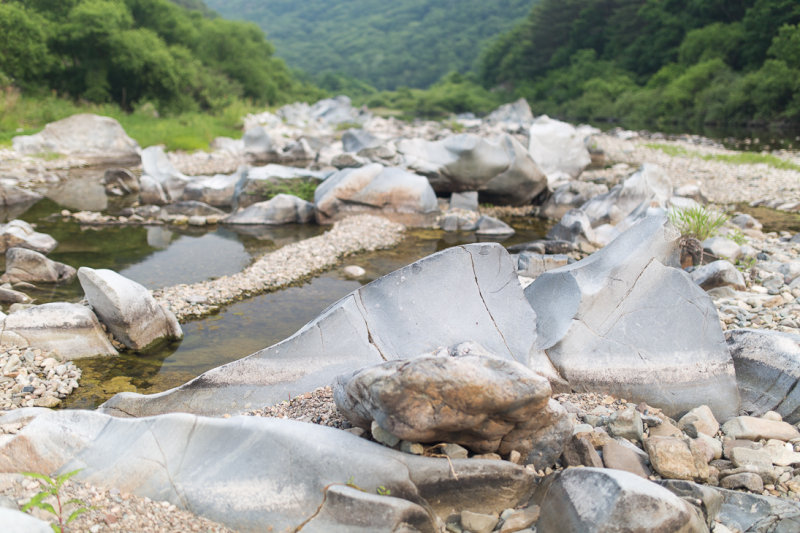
x: 51, y: 487
x: 697, y: 222
x: 739, y: 158
x: 654, y: 62
x: 296, y: 187
x: 409, y: 43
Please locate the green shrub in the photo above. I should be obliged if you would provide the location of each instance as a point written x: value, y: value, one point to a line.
x: 697, y: 222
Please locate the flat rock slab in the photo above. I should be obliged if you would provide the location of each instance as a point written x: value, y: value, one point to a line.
x: 752, y: 428
x: 625, y: 322
x: 72, y: 330
x: 406, y: 313
x: 767, y: 370
x: 253, y: 473
x: 751, y: 512
x: 281, y: 209
x: 434, y: 398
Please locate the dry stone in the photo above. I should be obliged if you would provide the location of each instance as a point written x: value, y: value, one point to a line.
x: 32, y: 267
x: 558, y: 148
x: 752, y: 428
x: 282, y: 209
x: 20, y: 234
x: 677, y: 458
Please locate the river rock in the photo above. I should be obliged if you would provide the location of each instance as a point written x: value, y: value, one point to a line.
x: 354, y: 141
x: 718, y: 274
x: 151, y: 192
x: 129, y: 311
x: 621, y: 457
x: 741, y: 511
x: 258, y: 145
x: 13, y: 196
x: 625, y: 322
x: 722, y: 247
x: 647, y: 186
x: 532, y: 264
x: 20, y: 234
x: 767, y: 371
x: 493, y: 227
x: 677, y: 458
x: 699, y: 420
x: 156, y: 164
x: 170, y: 457
x: 513, y: 117
x: 375, y: 189
x: 467, y: 200
x: 81, y: 135
x: 190, y: 208
x: 500, y: 169
x: 575, y: 228
x: 337, y: 110
x: 262, y: 183
x: 558, y: 149
x: 120, y: 182
x: 217, y: 190
x: 18, y: 522
x: 400, y: 315
x: 32, y: 267
x: 752, y: 428
x: 282, y: 209
x: 10, y: 296
x: 590, y: 500
x: 570, y: 195
x: 578, y: 451
x: 431, y: 398
x: 72, y: 330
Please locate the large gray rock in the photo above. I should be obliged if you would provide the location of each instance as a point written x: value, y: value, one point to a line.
x: 625, y: 322
x: 718, y: 274
x: 571, y: 195
x: 282, y: 209
x: 217, y: 190
x: 156, y: 164
x: 11, y: 195
x: 500, y: 169
x: 26, y: 265
x: 337, y: 110
x: 767, y: 370
x: 120, y: 182
x: 258, y: 145
x: 151, y: 192
x: 262, y: 183
x: 18, y: 522
x: 20, y: 234
x: 742, y: 511
x: 595, y: 500
x: 574, y: 227
x: 354, y: 141
x: 128, y: 309
x: 216, y: 467
x: 190, y: 208
x: 72, y: 330
x: 559, y: 149
x: 82, y: 135
x: 403, y: 314
x: 531, y: 264
x: 514, y: 117
x: 432, y: 398
x: 376, y: 189
x: 647, y: 186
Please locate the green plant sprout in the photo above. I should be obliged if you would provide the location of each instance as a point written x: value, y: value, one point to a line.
x: 697, y: 222
x: 51, y: 487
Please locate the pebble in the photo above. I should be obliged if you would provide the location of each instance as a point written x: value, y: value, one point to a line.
x: 32, y: 378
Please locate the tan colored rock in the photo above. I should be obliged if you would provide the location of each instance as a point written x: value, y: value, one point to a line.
x: 677, y: 458
x: 752, y: 428
x: 699, y: 420
x: 620, y: 457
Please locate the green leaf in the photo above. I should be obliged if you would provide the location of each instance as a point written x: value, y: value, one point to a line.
x: 76, y: 513
x: 61, y: 479
x: 56, y: 528
x: 47, y: 507
x: 36, y: 501
x: 40, y: 477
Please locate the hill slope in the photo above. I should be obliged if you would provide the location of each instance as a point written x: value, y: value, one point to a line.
x: 408, y: 43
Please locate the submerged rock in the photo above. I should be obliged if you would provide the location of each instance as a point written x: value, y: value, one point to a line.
x: 210, y: 465
x: 625, y: 322
x: 500, y: 169
x: 29, y: 266
x: 403, y: 314
x: 72, y: 330
x: 128, y: 309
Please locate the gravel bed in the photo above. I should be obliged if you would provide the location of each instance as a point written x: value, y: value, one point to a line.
x: 112, y: 510
x: 32, y: 378
x: 282, y: 267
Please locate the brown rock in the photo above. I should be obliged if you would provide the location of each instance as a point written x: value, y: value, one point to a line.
x: 744, y: 480
x: 580, y: 452
x: 665, y: 429
x: 699, y: 420
x: 677, y: 458
x: 620, y: 457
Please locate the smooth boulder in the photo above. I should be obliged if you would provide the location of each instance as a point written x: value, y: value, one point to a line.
x: 375, y: 189
x: 282, y: 209
x: 558, y: 149
x: 128, y: 309
x: 400, y: 315
x: 718, y: 274
x: 216, y: 467
x: 500, y: 169
x: 767, y: 371
x: 81, y: 135
x: 156, y: 165
x: 259, y: 184
x: 72, y: 330
x: 32, y: 267
x: 217, y: 190
x: 20, y: 234
x: 626, y: 322
x: 648, y: 186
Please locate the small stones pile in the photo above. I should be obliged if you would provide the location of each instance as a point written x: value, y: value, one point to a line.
x: 316, y: 407
x: 111, y: 510
x: 282, y: 267
x: 32, y: 378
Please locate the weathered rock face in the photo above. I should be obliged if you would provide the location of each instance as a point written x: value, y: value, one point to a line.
x: 752, y: 512
x: 601, y: 500
x: 82, y: 135
x: 532, y: 264
x: 512, y: 117
x: 261, y: 183
x: 501, y: 170
x: 403, y: 314
x: 432, y: 398
x: 558, y: 149
x: 375, y: 189
x: 354, y: 141
x: 212, y: 466
x: 598, y: 321
x: 128, y: 309
x: 157, y: 166
x: 217, y: 190
x: 20, y: 234
x: 649, y: 185
x: 151, y: 192
x: 574, y: 227
x: 258, y: 145
x: 718, y: 274
x: 120, y: 182
x: 72, y: 330
x: 26, y: 265
x: 767, y: 371
x: 190, y: 208
x: 282, y: 209
x: 571, y: 195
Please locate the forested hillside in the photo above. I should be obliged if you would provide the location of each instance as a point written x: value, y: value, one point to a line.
x: 410, y: 43
x: 684, y: 61
x: 135, y: 51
